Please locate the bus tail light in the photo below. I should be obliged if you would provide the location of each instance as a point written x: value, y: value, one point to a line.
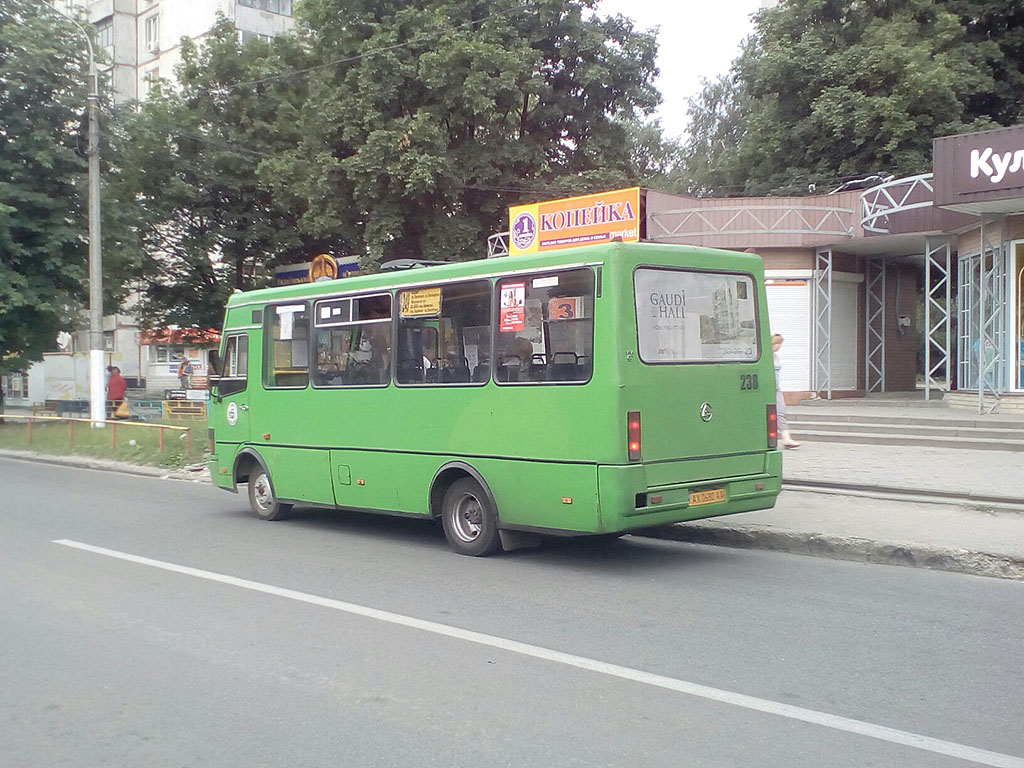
x: 633, y: 434
x: 773, y: 427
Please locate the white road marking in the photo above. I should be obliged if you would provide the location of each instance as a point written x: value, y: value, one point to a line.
x: 767, y: 706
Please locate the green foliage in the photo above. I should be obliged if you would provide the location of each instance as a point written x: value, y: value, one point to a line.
x: 827, y: 89
x: 381, y: 129
x: 43, y: 253
x: 423, y: 124
x: 186, y: 165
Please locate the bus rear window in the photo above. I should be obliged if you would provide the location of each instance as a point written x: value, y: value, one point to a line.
x: 695, y: 317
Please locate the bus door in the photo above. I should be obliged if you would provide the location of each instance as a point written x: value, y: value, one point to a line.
x: 233, y: 392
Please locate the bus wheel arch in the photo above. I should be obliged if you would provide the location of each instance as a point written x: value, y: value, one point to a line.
x: 460, y: 496
x: 252, y: 469
x: 247, y: 460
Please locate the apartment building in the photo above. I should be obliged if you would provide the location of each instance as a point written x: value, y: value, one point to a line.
x: 142, y: 38
x: 142, y: 42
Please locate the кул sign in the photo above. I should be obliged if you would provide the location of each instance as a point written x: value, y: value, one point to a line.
x: 575, y: 221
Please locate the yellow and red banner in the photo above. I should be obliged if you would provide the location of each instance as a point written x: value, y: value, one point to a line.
x: 575, y: 221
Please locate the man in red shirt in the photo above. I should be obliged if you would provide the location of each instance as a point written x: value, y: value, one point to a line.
x: 116, y: 386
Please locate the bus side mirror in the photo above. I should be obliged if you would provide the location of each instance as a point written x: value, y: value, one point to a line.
x: 213, y: 361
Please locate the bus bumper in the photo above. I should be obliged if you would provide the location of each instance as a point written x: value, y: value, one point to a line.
x: 628, y: 502
x: 221, y: 476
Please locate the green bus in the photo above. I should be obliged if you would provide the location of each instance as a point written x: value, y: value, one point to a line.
x: 596, y: 390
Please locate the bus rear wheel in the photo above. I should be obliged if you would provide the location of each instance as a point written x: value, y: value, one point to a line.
x: 262, y: 499
x: 469, y: 519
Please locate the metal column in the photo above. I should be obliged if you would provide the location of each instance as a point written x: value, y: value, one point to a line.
x: 874, y: 326
x: 938, y: 298
x: 823, y: 322
x: 992, y: 306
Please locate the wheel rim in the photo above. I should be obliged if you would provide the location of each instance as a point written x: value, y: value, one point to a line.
x: 262, y: 492
x: 467, y: 518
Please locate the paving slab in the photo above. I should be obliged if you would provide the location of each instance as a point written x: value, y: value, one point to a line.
x: 948, y: 470
x: 971, y: 540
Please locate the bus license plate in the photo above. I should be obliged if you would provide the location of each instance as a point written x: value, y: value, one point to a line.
x: 707, y: 497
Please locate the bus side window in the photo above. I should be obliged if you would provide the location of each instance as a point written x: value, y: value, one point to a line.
x: 546, y: 328
x: 286, y: 356
x: 236, y: 366
x: 353, y: 342
x: 444, y: 334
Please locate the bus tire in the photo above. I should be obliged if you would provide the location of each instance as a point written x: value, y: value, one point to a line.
x: 469, y: 519
x: 262, y: 499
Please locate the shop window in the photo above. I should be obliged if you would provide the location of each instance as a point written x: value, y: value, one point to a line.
x: 167, y: 353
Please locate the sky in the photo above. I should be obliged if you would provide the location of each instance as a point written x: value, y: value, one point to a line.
x: 697, y: 40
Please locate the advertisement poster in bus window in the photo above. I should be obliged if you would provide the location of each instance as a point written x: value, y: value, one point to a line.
x: 423, y: 302
x: 512, y: 316
x: 695, y: 317
x: 565, y: 308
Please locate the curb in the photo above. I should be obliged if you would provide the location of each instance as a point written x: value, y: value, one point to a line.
x: 107, y: 465
x: 844, y: 548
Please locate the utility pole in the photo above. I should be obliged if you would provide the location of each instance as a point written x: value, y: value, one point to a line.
x: 97, y: 390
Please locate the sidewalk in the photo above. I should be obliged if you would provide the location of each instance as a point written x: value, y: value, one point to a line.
x: 876, y: 525
x: 932, y: 470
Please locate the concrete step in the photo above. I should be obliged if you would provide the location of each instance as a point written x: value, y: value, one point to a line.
x: 991, y: 422
x: 929, y: 430
x: 870, y: 402
x: 874, y: 438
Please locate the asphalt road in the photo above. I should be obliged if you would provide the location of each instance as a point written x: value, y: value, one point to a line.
x: 149, y: 622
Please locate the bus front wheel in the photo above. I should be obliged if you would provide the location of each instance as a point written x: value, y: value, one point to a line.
x: 469, y: 519
x: 262, y: 499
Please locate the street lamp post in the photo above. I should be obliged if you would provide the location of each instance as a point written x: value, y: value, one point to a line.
x: 97, y: 391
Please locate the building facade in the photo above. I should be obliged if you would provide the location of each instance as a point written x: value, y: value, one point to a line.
x: 142, y: 38
x: 912, y: 282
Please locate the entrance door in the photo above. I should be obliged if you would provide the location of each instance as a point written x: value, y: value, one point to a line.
x: 789, y: 312
x: 982, y: 294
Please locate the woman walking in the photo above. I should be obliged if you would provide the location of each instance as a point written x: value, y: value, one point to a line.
x: 780, y: 402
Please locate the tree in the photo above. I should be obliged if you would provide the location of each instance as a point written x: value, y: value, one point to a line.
x: 186, y: 164
x: 827, y: 89
x: 43, y: 254
x: 381, y: 129
x: 432, y: 119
